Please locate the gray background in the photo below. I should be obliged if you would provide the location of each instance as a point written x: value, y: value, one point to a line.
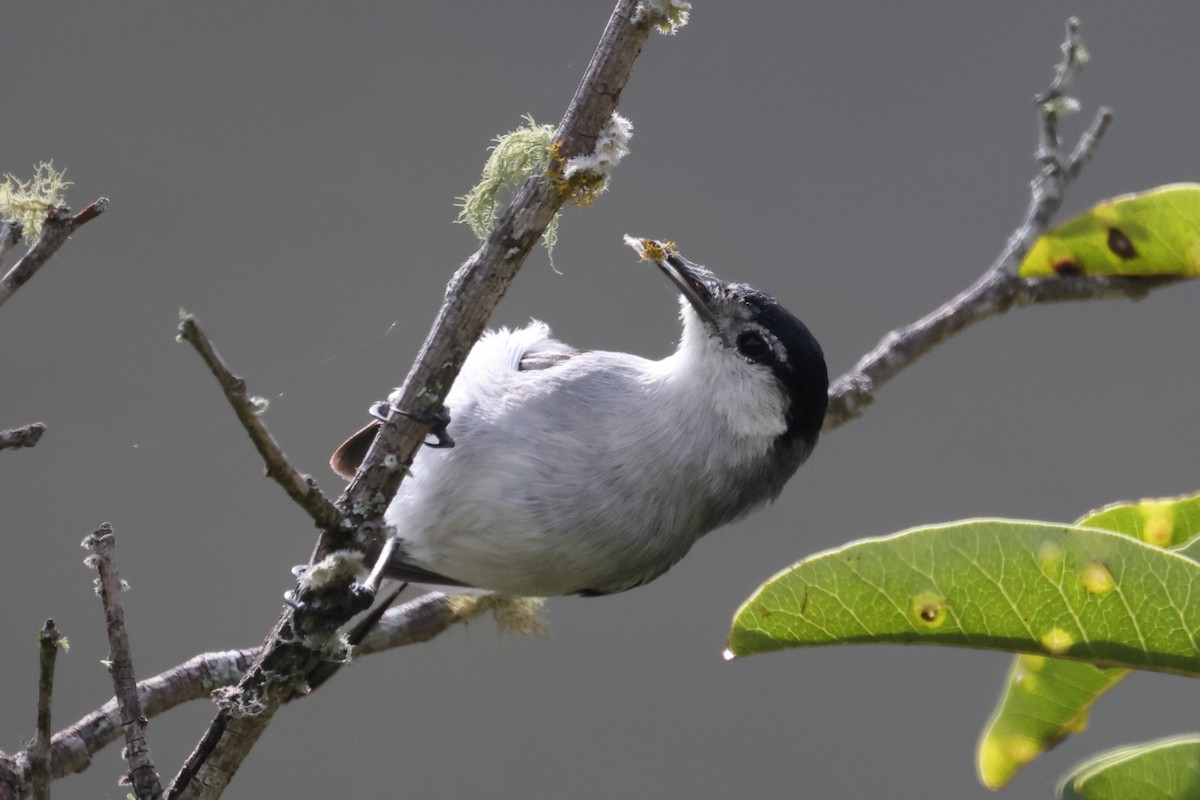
x: 286, y: 171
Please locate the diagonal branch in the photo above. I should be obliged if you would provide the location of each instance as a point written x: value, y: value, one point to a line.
x: 57, y: 228
x: 295, y: 644
x: 479, y: 284
x: 300, y: 488
x: 1000, y: 288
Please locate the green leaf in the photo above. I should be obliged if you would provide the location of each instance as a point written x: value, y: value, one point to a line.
x: 1166, y: 522
x: 1167, y: 769
x: 1048, y: 699
x: 1031, y: 587
x: 1156, y: 232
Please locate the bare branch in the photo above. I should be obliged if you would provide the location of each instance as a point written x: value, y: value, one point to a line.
x: 72, y: 747
x: 142, y: 773
x: 58, y: 227
x: 1065, y: 73
x: 1000, y: 288
x: 25, y: 436
x: 49, y: 642
x: 416, y: 621
x: 1089, y: 141
x: 300, y: 488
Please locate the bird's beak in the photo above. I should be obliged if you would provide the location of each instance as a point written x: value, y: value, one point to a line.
x: 693, y: 281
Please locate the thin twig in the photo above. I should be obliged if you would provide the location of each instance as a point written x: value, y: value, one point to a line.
x: 57, y: 228
x: 49, y: 642
x: 1074, y: 57
x: 142, y: 773
x: 1000, y: 288
x: 1088, y: 142
x: 300, y: 488
x: 24, y: 436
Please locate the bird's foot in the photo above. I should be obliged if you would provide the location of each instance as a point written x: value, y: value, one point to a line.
x: 437, y: 419
x: 358, y: 598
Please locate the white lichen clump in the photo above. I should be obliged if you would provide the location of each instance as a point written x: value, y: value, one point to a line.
x: 339, y: 566
x: 612, y: 145
x: 668, y: 16
x: 514, y: 615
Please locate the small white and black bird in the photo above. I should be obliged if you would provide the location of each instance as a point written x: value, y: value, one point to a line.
x: 589, y: 472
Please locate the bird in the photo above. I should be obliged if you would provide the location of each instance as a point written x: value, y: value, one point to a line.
x: 586, y: 472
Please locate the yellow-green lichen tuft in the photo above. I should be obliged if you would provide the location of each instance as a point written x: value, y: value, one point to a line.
x: 513, y: 615
x: 29, y: 201
x: 514, y: 157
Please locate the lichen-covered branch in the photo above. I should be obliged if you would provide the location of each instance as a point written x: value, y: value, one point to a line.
x: 142, y: 774
x: 57, y: 228
x: 300, y: 488
x: 481, y: 282
x: 296, y: 643
x: 24, y: 436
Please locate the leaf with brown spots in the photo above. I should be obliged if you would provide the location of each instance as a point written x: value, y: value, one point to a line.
x: 1156, y: 232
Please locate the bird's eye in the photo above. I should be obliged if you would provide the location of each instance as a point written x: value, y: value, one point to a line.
x: 755, y: 348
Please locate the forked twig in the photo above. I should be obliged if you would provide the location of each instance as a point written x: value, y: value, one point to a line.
x: 1000, y: 288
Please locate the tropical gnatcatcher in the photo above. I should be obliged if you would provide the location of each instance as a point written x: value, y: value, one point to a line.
x: 590, y: 472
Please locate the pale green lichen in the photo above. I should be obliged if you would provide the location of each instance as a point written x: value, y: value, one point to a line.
x: 29, y: 201
x: 513, y: 615
x: 514, y: 157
